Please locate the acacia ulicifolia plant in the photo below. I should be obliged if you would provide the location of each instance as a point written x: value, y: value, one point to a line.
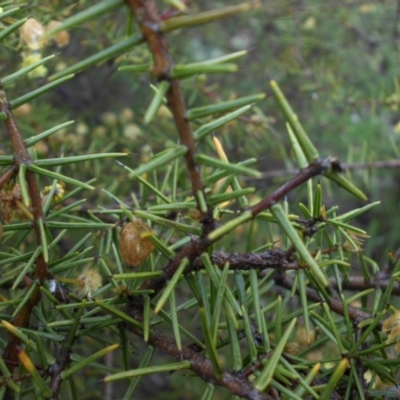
x: 173, y: 237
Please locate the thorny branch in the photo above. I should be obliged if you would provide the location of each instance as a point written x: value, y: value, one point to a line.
x: 22, y: 157
x: 148, y: 19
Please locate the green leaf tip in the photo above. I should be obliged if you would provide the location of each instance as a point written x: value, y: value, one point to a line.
x: 204, y: 111
x: 187, y: 21
x: 304, y: 141
x: 345, y: 184
x: 89, y: 13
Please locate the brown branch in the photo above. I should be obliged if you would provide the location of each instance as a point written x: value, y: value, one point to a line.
x: 63, y: 360
x: 274, y: 258
x: 22, y: 157
x: 363, y: 36
x: 355, y: 314
x: 358, y: 283
x: 318, y: 167
x: 235, y: 383
x: 148, y: 19
x: 354, y: 166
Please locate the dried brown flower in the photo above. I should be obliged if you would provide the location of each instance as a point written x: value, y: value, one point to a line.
x: 391, y: 326
x: 135, y: 245
x: 12, y: 205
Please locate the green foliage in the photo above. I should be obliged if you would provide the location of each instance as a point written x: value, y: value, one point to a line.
x: 249, y: 287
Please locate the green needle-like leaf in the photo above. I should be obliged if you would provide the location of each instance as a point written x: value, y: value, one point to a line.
x: 171, y: 285
x: 285, y: 223
x: 229, y: 226
x: 103, y: 55
x: 26, y: 269
x: 355, y: 213
x: 86, y: 15
x: 87, y: 361
x: 174, y: 319
x: 146, y: 371
x: 200, y: 112
x: 211, y: 348
x: 212, y: 126
x: 35, y: 93
x: 343, y: 182
x: 72, y: 331
x: 317, y: 201
x: 158, y: 161
x: 334, y: 379
x: 43, y: 240
x: 24, y: 71
x: 304, y: 141
x: 185, y: 71
x: 10, y: 29
x: 297, y: 150
x: 156, y: 101
x: 118, y: 313
x: 9, y: 12
x: 30, y: 367
x: 266, y: 375
x: 232, y: 168
x: 202, y: 18
x: 37, y: 138
x: 59, y: 177
x: 23, y: 185
x: 7, y: 375
x: 52, y: 162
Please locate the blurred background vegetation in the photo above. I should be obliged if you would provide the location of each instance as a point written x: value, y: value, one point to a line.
x: 336, y: 61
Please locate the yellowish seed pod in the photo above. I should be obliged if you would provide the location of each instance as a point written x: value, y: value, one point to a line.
x: 135, y: 245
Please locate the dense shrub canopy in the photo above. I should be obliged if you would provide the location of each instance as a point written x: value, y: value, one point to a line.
x: 190, y: 200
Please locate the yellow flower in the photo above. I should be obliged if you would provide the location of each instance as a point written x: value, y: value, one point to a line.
x: 88, y: 282
x: 29, y: 59
x: 391, y: 326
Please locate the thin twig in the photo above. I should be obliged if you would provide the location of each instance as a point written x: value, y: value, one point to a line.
x: 148, y: 19
x: 318, y: 167
x: 362, y: 165
x: 358, y: 283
